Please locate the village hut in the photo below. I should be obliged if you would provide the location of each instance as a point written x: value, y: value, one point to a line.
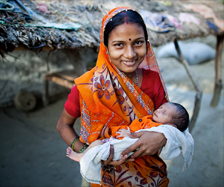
x: 73, y: 24
x: 74, y: 27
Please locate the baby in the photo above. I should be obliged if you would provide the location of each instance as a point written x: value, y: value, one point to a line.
x: 167, y: 114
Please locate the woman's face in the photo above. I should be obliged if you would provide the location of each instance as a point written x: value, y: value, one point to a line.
x: 127, y: 47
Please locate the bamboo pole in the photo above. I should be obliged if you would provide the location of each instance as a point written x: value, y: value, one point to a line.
x: 218, y: 73
x: 198, y: 95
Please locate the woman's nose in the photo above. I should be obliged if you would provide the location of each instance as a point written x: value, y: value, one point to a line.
x: 129, y: 52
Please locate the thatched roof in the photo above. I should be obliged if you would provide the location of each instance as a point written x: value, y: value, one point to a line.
x: 88, y: 14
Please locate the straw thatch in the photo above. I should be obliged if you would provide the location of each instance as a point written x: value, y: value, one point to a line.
x: 89, y: 13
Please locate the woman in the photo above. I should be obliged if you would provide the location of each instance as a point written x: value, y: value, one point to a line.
x: 116, y: 92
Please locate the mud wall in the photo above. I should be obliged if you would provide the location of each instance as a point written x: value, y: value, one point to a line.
x: 24, y: 69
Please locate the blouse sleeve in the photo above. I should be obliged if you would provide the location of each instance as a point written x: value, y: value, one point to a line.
x: 159, y: 98
x: 152, y: 86
x: 72, y: 105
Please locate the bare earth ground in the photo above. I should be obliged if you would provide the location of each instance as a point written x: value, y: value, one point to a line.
x: 33, y: 153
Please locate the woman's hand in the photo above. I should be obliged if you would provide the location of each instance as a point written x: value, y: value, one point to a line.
x: 110, y: 161
x: 148, y: 143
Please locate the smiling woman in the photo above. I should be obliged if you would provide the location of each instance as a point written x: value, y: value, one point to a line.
x: 114, y: 93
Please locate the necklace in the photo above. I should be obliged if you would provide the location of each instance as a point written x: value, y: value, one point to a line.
x: 136, y: 74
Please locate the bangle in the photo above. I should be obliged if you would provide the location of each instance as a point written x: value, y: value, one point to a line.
x: 73, y: 142
x: 83, y: 148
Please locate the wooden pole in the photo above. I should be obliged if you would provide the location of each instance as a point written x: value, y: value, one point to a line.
x: 198, y: 96
x: 218, y: 72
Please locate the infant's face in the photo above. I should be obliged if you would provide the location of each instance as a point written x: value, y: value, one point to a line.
x: 164, y: 113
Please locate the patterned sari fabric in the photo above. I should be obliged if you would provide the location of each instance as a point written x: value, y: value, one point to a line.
x: 143, y: 123
x: 109, y: 98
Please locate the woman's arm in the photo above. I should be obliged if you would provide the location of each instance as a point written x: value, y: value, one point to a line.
x: 149, y: 143
x: 65, y: 128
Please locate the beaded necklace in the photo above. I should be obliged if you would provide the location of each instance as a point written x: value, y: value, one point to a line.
x: 136, y: 74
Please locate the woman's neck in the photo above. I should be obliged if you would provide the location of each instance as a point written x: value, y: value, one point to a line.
x: 131, y: 75
x: 135, y: 76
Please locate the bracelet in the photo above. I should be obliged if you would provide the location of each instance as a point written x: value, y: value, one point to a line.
x: 73, y: 143
x: 83, y: 148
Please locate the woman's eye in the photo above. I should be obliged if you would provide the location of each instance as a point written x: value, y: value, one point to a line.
x: 138, y: 43
x: 119, y: 45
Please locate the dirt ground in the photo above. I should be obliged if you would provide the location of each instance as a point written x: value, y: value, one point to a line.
x: 33, y: 153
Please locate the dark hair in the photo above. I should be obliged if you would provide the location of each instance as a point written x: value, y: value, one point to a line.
x: 128, y: 16
x: 181, y: 119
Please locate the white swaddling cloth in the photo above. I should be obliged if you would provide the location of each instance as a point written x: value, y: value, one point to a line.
x: 177, y: 142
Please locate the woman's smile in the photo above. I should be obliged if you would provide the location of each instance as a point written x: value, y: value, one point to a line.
x: 129, y: 63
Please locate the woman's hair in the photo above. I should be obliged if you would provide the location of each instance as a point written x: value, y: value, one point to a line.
x: 181, y: 118
x: 128, y: 16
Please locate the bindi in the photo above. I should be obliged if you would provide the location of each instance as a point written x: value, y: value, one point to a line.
x: 129, y: 39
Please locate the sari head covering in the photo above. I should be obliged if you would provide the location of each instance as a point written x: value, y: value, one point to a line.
x: 107, y: 96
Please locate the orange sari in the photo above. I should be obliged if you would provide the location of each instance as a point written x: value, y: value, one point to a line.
x: 143, y: 123
x: 109, y: 98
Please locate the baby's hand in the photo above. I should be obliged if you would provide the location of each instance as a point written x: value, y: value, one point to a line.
x: 123, y: 132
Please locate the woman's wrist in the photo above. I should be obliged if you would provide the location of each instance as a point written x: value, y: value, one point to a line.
x: 73, y: 143
x: 77, y: 146
x: 83, y: 148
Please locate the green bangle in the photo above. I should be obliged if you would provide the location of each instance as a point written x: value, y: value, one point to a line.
x: 73, y: 143
x: 83, y: 148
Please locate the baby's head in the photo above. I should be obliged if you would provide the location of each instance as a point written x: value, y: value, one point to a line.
x: 172, y: 114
